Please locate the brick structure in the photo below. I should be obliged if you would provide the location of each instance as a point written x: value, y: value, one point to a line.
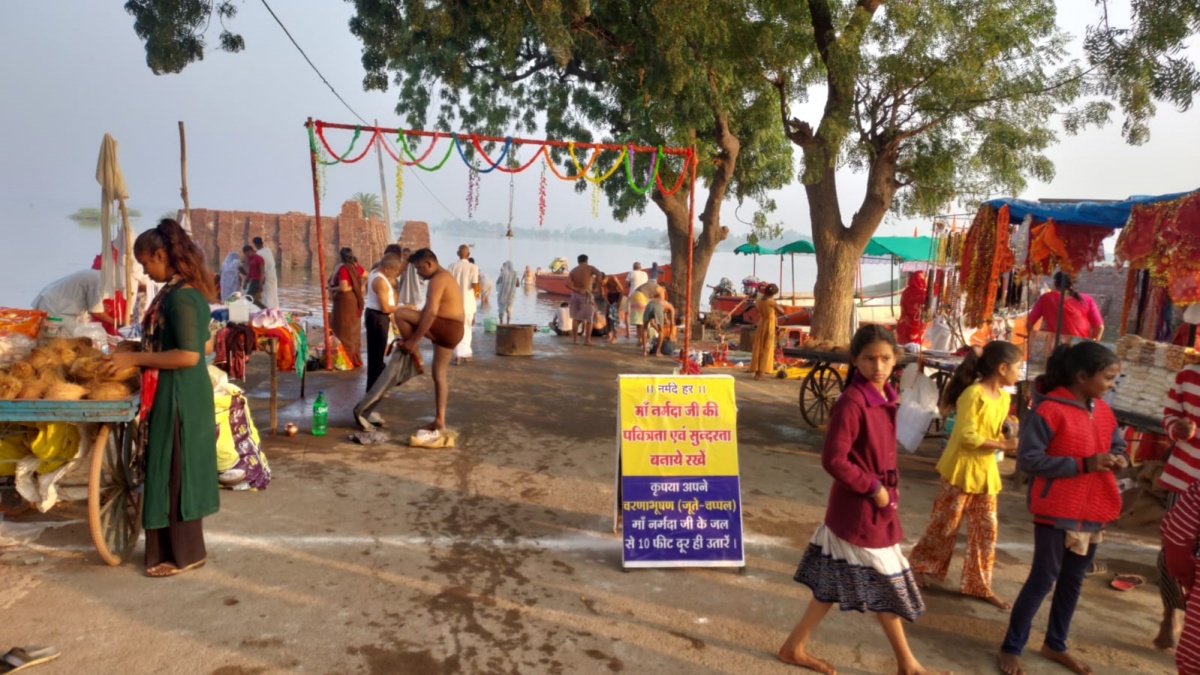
x: 291, y: 235
x: 1106, y: 284
x: 415, y: 235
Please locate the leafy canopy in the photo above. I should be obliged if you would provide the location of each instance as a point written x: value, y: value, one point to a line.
x: 627, y: 71
x: 173, y: 30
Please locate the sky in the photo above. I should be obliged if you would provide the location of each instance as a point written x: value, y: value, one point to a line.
x: 75, y: 69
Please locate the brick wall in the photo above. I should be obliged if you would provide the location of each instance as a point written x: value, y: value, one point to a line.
x: 290, y: 236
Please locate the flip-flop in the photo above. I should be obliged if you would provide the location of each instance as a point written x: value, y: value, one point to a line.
x: 20, y: 658
x: 173, y: 570
x: 1127, y: 582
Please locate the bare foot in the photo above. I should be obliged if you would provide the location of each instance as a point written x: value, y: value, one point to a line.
x: 996, y: 601
x: 913, y: 668
x: 801, y: 657
x: 1166, y: 640
x: 921, y: 579
x: 1010, y: 664
x: 758, y: 376
x: 1067, y: 661
x: 434, y: 426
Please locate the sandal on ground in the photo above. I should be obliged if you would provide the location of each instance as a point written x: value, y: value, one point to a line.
x: 168, y: 570
x: 20, y: 658
x: 1097, y: 567
x: 1127, y: 582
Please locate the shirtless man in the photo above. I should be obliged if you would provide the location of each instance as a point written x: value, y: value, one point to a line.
x: 583, y: 281
x: 442, y: 320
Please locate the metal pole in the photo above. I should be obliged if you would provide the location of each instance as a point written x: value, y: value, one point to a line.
x: 312, y: 157
x: 687, y: 324
x: 383, y: 195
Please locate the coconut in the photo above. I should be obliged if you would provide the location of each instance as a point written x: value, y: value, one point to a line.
x: 130, y: 373
x: 88, y: 352
x: 39, y: 358
x: 31, y: 389
x: 9, y: 386
x: 84, y: 371
x: 22, y: 371
x: 53, y: 374
x: 109, y: 391
x: 65, y: 391
x: 127, y: 346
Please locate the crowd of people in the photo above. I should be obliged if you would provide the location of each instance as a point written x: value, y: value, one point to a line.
x: 601, y: 304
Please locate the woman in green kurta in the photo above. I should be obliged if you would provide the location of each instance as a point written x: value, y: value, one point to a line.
x: 179, y: 431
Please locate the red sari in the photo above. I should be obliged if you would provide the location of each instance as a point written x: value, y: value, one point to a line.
x: 346, y: 317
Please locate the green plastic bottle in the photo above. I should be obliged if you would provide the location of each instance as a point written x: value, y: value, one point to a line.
x: 320, y: 415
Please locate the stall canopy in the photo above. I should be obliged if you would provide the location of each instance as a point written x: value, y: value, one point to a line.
x: 798, y: 246
x: 754, y: 249
x: 1103, y: 214
x: 904, y: 248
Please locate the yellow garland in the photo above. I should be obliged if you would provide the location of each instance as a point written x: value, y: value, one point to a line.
x: 399, y: 186
x: 595, y: 197
x: 598, y: 179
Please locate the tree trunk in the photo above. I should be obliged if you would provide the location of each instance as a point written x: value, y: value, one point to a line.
x: 710, y: 233
x: 839, y: 248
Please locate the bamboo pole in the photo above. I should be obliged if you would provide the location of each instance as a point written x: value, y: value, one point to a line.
x: 130, y: 292
x: 383, y: 195
x: 183, y: 191
x: 312, y: 157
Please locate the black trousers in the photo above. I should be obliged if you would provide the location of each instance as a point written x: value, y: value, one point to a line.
x: 378, y: 328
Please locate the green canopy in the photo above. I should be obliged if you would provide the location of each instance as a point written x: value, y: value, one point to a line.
x: 754, y: 249
x: 798, y: 246
x: 904, y: 248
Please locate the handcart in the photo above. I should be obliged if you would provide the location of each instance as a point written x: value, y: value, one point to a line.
x: 114, y: 485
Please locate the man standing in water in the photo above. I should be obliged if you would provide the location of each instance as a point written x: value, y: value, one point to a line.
x: 443, y: 320
x: 270, y: 290
x: 583, y: 282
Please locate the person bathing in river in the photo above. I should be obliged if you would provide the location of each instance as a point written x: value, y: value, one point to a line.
x: 583, y: 282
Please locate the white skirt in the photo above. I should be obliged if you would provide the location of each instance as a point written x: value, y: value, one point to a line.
x: 858, y: 578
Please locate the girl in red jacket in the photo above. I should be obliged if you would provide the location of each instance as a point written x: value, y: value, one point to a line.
x: 854, y: 558
x: 1069, y: 444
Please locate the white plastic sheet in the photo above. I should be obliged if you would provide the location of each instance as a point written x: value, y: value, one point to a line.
x: 918, y: 407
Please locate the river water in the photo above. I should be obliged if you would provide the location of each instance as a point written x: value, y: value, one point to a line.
x: 37, y: 248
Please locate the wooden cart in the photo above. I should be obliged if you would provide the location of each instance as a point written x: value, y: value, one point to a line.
x: 827, y: 378
x: 114, y: 486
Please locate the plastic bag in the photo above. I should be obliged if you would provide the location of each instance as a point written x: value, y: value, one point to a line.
x: 918, y: 407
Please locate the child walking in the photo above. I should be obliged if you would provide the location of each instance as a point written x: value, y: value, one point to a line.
x: 1180, y: 537
x: 1069, y: 444
x: 854, y: 558
x: 970, y: 476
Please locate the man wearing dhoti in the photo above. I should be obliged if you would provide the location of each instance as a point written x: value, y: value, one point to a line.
x: 466, y: 275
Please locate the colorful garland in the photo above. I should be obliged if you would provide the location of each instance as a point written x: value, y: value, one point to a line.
x: 399, y: 186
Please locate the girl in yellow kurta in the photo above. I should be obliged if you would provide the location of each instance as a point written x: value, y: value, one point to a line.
x: 763, y: 358
x: 970, y: 476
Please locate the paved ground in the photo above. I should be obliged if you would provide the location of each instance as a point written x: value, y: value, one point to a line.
x: 499, y: 556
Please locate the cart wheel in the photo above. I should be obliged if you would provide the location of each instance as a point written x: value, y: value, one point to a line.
x: 114, y: 494
x: 940, y: 379
x: 819, y: 390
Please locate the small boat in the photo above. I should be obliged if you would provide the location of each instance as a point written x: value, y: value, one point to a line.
x: 797, y: 309
x: 556, y: 284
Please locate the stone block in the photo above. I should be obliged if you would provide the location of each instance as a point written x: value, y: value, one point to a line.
x: 415, y: 235
x: 351, y: 209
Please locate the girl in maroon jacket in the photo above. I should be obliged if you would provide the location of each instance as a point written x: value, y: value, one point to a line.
x: 1069, y: 443
x: 854, y: 558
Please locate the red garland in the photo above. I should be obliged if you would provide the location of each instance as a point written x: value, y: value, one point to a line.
x: 321, y: 135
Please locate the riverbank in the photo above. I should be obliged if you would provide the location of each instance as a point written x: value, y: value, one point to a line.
x: 499, y: 556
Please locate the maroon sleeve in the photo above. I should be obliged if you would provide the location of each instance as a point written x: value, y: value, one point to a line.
x: 845, y: 423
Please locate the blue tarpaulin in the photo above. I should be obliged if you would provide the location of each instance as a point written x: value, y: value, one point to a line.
x: 1103, y: 214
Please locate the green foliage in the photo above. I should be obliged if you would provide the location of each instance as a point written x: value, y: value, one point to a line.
x: 174, y: 30
x: 371, y: 206
x: 640, y: 71
x: 1143, y: 62
x: 762, y: 230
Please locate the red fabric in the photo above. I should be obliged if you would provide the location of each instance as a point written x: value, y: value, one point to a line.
x: 1164, y: 238
x: 860, y: 454
x: 1075, y: 315
x: 1072, y: 248
x: 285, y: 354
x: 256, y: 268
x: 910, y: 328
x: 1180, y: 536
x: 1183, y: 403
x: 344, y: 274
x: 1092, y: 497
x: 114, y: 307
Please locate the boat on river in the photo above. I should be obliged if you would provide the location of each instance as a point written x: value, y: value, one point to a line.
x: 556, y: 284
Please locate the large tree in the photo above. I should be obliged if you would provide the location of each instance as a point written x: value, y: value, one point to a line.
x: 935, y: 101
x: 637, y: 71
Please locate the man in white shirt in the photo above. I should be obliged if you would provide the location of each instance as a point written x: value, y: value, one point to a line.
x: 466, y: 275
x: 270, y: 292
x: 72, y: 296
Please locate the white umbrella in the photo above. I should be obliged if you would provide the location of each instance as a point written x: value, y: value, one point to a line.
x: 112, y: 188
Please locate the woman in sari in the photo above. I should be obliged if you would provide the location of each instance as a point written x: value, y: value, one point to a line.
x: 346, y: 285
x: 177, y: 433
x: 231, y: 275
